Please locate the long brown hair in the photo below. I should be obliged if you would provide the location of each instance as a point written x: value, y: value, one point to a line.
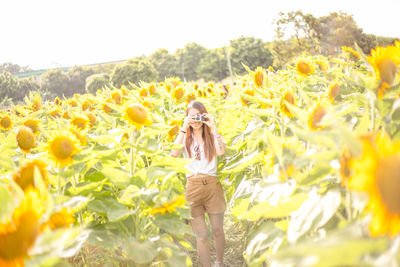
x: 209, y: 145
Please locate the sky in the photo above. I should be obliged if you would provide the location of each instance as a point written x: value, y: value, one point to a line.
x: 54, y: 33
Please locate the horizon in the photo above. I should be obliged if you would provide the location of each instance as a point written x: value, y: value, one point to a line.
x: 100, y: 32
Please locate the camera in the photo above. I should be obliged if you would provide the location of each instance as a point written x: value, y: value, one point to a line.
x: 199, y: 117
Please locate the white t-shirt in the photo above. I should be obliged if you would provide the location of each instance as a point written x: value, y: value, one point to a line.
x: 200, y: 166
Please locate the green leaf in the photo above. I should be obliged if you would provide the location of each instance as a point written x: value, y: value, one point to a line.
x: 172, y: 223
x: 315, y: 212
x: 7, y: 204
x: 319, y: 172
x: 6, y: 161
x: 117, y: 177
x: 141, y: 252
x: 85, y: 188
x: 282, y: 209
x: 114, y: 210
x: 245, y: 162
x: 266, y: 237
x: 344, y: 247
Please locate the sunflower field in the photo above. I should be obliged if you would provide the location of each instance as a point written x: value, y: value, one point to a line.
x: 311, y: 172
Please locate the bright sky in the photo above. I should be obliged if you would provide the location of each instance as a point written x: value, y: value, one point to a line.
x: 53, y: 33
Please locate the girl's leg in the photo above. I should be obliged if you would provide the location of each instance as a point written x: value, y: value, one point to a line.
x: 217, y: 226
x: 203, y: 250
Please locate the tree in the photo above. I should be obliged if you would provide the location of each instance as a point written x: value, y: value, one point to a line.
x: 213, y: 66
x: 13, y: 68
x: 97, y: 81
x: 249, y: 51
x: 189, y: 58
x: 15, y: 89
x: 77, y: 79
x: 165, y: 63
x: 8, y: 85
x: 56, y: 82
x: 134, y: 70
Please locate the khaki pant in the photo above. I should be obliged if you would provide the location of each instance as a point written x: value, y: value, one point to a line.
x: 204, y: 194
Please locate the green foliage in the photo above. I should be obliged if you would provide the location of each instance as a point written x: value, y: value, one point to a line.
x: 56, y: 82
x: 13, y: 68
x: 77, y: 79
x: 213, y: 66
x: 249, y: 51
x: 133, y: 71
x: 189, y: 58
x: 15, y: 89
x: 97, y: 81
x: 166, y: 64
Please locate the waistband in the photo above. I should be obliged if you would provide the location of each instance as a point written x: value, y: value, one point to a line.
x: 202, y: 179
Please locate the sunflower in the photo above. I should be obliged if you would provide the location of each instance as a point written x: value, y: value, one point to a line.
x: 37, y: 102
x: 107, y: 108
x: 244, y: 101
x: 333, y: 92
x: 377, y: 172
x: 304, y: 67
x: 385, y: 61
x: 137, y: 115
x: 5, y: 122
x: 32, y: 124
x: 55, y: 113
x: 79, y: 136
x: 169, y: 207
x: 316, y: 116
x: 62, y: 147
x: 72, y: 102
x: 271, y: 69
x: 116, y: 95
x: 178, y: 93
x: 24, y: 177
x: 345, y: 171
x: 25, y: 139
x: 92, y: 119
x: 174, y: 129
x: 18, y: 235
x: 351, y: 51
x: 59, y: 219
x: 147, y: 104
x: 87, y: 105
x: 143, y: 92
x: 152, y: 89
x: 288, y: 97
x: 79, y: 122
x: 322, y: 65
x: 65, y: 115
x: 190, y: 97
x: 57, y: 101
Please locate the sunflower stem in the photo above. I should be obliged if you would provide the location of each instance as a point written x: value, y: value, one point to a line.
x: 372, y: 102
x: 132, y: 155
x: 349, y: 209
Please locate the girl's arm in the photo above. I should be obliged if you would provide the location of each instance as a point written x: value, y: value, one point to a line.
x: 179, y: 140
x: 181, y: 136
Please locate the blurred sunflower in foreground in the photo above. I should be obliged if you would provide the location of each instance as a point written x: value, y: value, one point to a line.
x: 18, y: 235
x: 377, y: 172
x: 385, y: 61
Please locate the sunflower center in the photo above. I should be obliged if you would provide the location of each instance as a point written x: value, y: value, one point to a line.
x: 137, y: 114
x: 259, y: 78
x: 25, y: 139
x: 387, y: 69
x: 319, y: 113
x: 6, y: 122
x: 388, y: 181
x: 62, y: 148
x: 303, y: 67
x: 334, y: 91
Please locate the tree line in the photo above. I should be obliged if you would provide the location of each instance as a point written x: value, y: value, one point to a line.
x: 295, y: 33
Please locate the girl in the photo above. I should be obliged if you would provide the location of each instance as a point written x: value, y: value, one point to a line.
x: 203, y: 190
